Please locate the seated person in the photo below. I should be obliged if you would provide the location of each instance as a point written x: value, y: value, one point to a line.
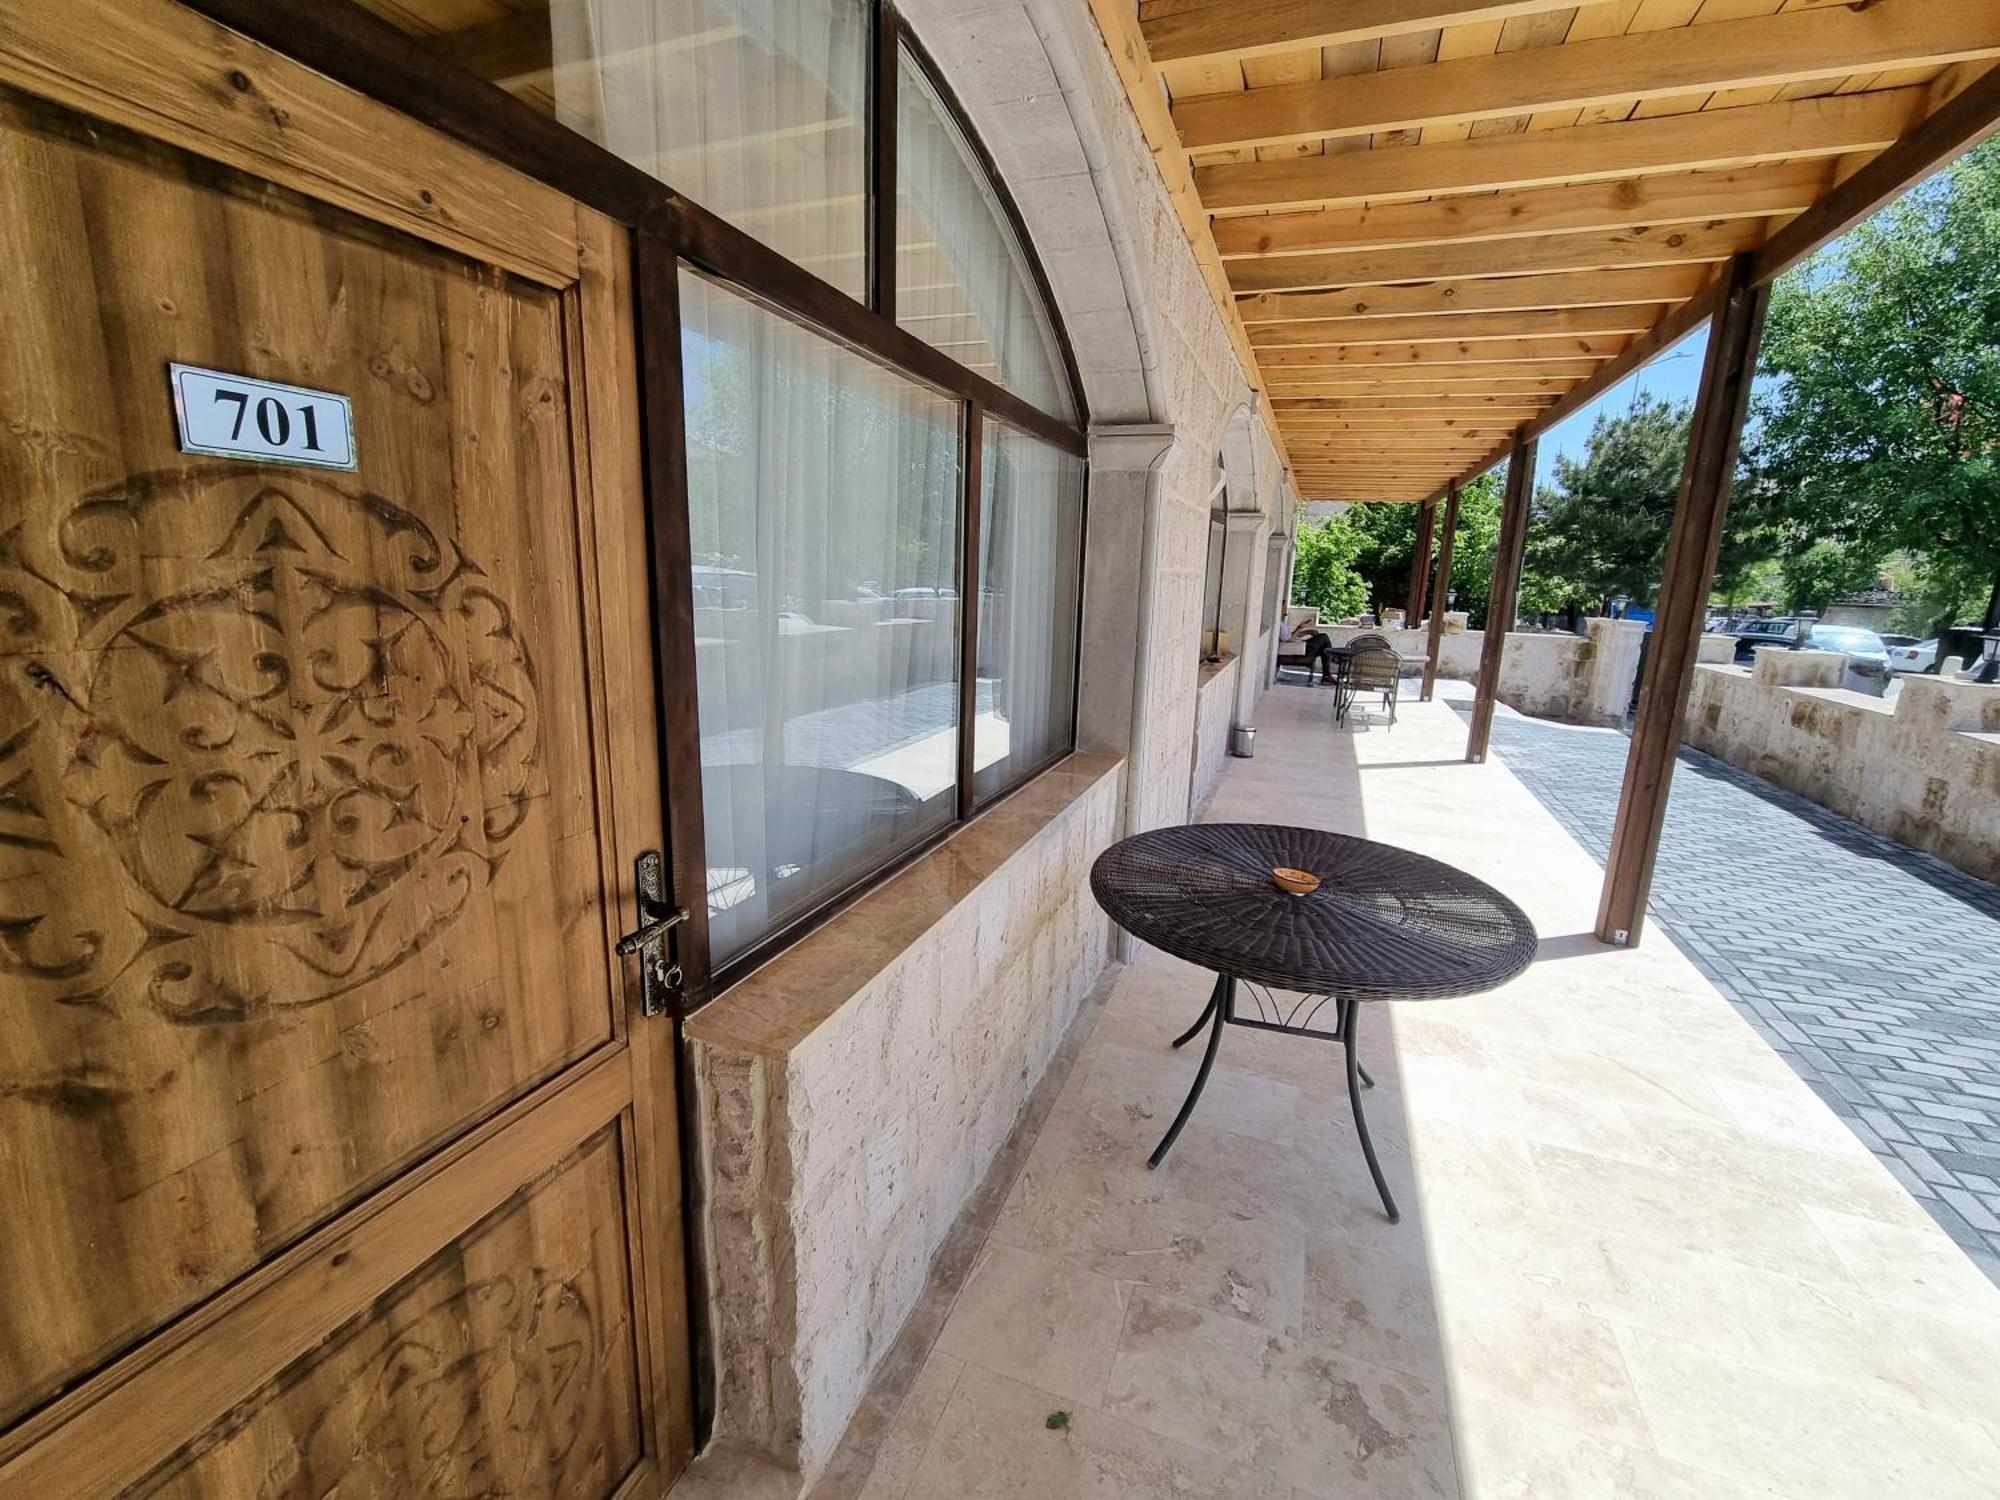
x: 1319, y: 646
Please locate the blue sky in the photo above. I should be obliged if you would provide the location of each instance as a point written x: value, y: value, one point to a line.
x: 1671, y: 377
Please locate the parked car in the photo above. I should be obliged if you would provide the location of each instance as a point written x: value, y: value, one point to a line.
x: 1867, y: 658
x: 1750, y: 634
x: 1867, y: 668
x: 1908, y: 654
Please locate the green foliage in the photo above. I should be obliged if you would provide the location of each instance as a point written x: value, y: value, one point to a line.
x: 1600, y: 530
x: 1472, y: 552
x: 1826, y: 570
x: 1360, y: 559
x: 1324, y: 573
x: 1877, y: 418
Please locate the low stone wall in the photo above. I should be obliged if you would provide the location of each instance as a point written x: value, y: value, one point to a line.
x: 852, y: 1094
x: 1579, y: 679
x: 1925, y: 771
x: 1215, y: 710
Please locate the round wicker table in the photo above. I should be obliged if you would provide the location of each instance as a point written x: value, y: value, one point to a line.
x: 1373, y: 922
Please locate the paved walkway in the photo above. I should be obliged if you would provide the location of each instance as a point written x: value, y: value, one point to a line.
x: 1639, y: 1259
x: 1874, y: 970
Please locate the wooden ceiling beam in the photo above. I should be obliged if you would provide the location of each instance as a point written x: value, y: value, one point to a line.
x: 1958, y: 124
x: 1178, y: 33
x: 1464, y: 352
x: 1758, y: 52
x: 1557, y: 370
x: 1836, y: 125
x: 1503, y: 408
x: 1654, y: 284
x: 1441, y: 391
x: 1274, y: 339
x: 1684, y: 198
x: 1545, y: 254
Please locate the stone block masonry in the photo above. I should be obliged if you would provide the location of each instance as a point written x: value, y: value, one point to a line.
x: 1925, y: 772
x: 853, y: 1093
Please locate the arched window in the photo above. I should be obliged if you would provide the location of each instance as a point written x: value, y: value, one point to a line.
x: 878, y: 457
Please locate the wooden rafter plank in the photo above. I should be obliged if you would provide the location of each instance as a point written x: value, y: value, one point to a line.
x: 1119, y: 25
x: 1785, y: 48
x: 1547, y: 254
x: 1654, y: 284
x: 1233, y: 30
x: 1507, y: 408
x: 1959, y: 124
x: 1311, y: 445
x: 1786, y: 130
x: 1429, y: 389
x: 1683, y: 321
x: 1683, y: 198
x: 1270, y: 339
x: 1566, y: 371
x: 1463, y: 352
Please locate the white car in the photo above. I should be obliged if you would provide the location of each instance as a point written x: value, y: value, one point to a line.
x: 1908, y: 654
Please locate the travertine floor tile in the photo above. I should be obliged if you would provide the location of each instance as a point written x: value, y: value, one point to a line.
x: 1806, y: 1437
x: 1042, y: 1320
x: 995, y: 1442
x: 1280, y: 1407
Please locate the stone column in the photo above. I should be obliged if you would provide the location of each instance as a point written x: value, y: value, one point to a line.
x: 1121, y: 557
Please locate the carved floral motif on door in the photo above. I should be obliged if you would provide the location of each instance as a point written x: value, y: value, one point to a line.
x: 265, y: 737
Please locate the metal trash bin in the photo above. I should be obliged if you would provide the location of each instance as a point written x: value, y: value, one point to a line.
x: 1243, y: 741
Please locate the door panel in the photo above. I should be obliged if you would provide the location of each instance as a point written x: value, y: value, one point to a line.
x: 272, y: 736
x: 308, y: 861
x: 511, y: 1355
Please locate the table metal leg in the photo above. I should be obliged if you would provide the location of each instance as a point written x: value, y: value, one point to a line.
x: 1221, y: 1004
x: 1350, y: 1011
x: 1214, y: 999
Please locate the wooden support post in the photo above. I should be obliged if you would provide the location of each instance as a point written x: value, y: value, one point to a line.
x: 1506, y: 590
x: 1686, y: 577
x: 1441, y: 597
x: 1420, y: 564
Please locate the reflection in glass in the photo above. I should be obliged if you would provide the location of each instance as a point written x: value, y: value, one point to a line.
x: 823, y: 511
x: 1030, y: 551
x: 752, y: 108
x: 962, y: 283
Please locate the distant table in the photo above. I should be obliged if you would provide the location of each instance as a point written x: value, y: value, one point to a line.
x: 1383, y: 924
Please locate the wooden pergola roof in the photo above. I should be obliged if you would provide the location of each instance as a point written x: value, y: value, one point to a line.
x: 1433, y: 223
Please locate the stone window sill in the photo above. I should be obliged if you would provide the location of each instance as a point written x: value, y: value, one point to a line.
x: 774, y: 1009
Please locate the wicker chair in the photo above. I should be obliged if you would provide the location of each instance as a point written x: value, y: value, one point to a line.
x: 1373, y: 669
x: 1366, y: 642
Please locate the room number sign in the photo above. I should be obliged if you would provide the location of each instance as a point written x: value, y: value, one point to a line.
x: 234, y: 416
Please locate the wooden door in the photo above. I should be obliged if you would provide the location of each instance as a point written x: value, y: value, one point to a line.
x: 336, y: 1156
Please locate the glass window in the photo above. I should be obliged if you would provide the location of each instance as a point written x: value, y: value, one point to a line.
x: 1030, y: 551
x: 1212, y: 642
x: 1274, y: 578
x: 823, y: 512
x: 752, y: 108
x: 962, y: 282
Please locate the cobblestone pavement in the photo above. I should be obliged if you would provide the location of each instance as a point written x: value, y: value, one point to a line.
x: 1874, y: 970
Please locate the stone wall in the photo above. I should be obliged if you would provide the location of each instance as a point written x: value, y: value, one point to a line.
x: 1579, y: 679
x: 853, y: 1092
x: 1925, y: 771
x: 1215, y: 711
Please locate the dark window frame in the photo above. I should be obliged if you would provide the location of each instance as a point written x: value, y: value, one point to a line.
x: 369, y: 54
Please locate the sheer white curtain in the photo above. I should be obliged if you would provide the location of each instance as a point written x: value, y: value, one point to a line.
x: 753, y: 108
x: 1031, y: 546
x: 962, y: 283
x: 823, y: 511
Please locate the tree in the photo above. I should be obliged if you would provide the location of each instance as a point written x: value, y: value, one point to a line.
x: 1877, y: 417
x: 1601, y: 529
x: 1323, y: 572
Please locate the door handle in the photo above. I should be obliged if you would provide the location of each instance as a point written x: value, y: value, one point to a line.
x: 659, y: 975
